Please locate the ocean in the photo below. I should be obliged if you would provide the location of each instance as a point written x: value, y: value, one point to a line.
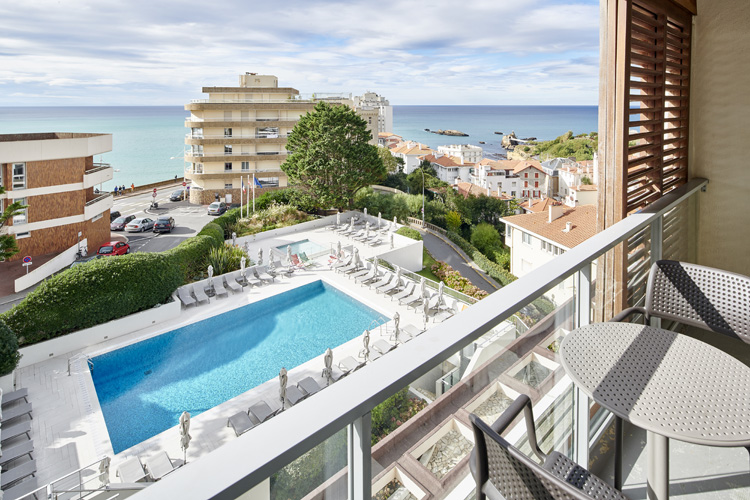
x: 147, y: 141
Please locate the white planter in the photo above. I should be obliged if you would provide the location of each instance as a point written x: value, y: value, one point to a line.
x: 496, y: 389
x: 406, y: 481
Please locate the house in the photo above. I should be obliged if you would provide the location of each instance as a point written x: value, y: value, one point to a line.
x: 519, y: 178
x: 466, y: 153
x: 410, y: 152
x: 388, y: 139
x: 448, y: 169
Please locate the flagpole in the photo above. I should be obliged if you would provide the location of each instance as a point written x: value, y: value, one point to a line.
x: 253, y: 192
x: 242, y: 188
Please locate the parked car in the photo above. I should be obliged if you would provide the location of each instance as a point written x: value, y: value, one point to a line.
x: 139, y: 225
x: 120, y: 222
x: 178, y: 195
x: 114, y: 248
x: 164, y: 224
x: 113, y: 215
x: 217, y: 208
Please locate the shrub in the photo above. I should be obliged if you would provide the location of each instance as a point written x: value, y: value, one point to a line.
x: 9, y: 356
x: 225, y: 258
x: 100, y: 291
x: 494, y: 270
x: 485, y: 238
x: 453, y: 221
x: 454, y: 280
x: 215, y: 231
x: 226, y: 221
x: 393, y: 412
x: 409, y: 233
x: 190, y: 255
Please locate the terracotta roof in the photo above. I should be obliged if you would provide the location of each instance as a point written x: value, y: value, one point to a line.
x: 540, y: 205
x: 467, y: 188
x: 583, y: 219
x: 585, y: 187
x: 413, y: 148
x: 444, y: 161
x: 388, y: 134
x: 515, y: 165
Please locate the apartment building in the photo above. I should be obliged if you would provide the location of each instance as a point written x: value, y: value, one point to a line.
x: 240, y: 132
x: 465, y: 153
x: 578, y: 183
x: 411, y: 153
x: 447, y: 169
x: 388, y: 139
x: 55, y: 175
x: 372, y: 101
x: 521, y: 179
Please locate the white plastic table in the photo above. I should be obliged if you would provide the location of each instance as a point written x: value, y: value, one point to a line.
x: 671, y: 385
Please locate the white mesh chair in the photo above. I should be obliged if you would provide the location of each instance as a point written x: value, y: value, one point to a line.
x: 502, y: 472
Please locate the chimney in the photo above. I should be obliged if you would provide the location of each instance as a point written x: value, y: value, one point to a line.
x: 568, y: 227
x: 555, y: 211
x: 531, y: 203
x: 498, y: 191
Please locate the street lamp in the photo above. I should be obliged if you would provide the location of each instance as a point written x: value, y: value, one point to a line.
x: 422, y: 170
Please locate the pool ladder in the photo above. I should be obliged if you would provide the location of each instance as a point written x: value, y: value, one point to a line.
x: 78, y: 357
x: 379, y: 322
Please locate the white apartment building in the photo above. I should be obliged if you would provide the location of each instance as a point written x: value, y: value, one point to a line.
x: 388, y: 139
x: 448, y: 170
x: 372, y: 100
x: 578, y: 183
x: 411, y: 153
x: 466, y: 153
x: 536, y: 238
x: 520, y: 179
x: 241, y: 132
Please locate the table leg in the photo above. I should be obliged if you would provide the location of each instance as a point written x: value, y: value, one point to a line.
x: 618, y: 453
x: 658, y: 466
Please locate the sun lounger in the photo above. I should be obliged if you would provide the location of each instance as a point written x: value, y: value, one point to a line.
x: 296, y: 262
x: 17, y: 473
x: 15, y: 452
x: 132, y: 471
x: 445, y: 313
x: 309, y: 386
x: 14, y: 396
x: 200, y: 295
x: 414, y: 299
x: 375, y: 242
x: 280, y: 269
x: 393, y: 286
x: 251, y: 278
x: 294, y: 395
x: 23, y: 489
x: 349, y: 364
x: 159, y: 466
x: 241, y: 423
x: 411, y: 330
x: 232, y: 284
x: 408, y: 289
x: 381, y: 346
x: 13, y: 431
x: 261, y: 274
x: 350, y: 268
x: 307, y: 261
x: 16, y: 411
x: 364, y: 274
x: 184, y: 295
x: 387, y: 277
x: 261, y: 411
x: 342, y: 263
x: 219, y: 289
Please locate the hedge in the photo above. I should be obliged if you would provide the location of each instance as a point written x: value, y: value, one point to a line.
x: 9, y: 355
x: 494, y: 270
x: 409, y: 233
x: 91, y: 294
x: 215, y: 231
x: 190, y: 254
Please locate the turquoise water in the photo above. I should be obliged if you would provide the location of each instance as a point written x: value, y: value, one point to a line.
x: 143, y: 388
x: 145, y: 138
x: 310, y: 248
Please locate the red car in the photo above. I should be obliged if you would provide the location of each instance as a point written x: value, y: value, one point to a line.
x: 114, y: 248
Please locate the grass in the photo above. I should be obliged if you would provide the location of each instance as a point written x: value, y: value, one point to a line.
x: 428, y: 261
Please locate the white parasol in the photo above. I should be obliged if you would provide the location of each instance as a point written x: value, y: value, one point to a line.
x: 283, y: 379
x: 211, y: 277
x: 234, y: 239
x: 289, y: 255
x: 365, y: 211
x: 243, y: 263
x: 338, y: 218
x: 328, y: 370
x: 104, y: 471
x: 391, y: 236
x: 440, y: 293
x: 185, y: 433
x: 379, y: 218
x: 425, y: 311
x: 338, y: 249
x: 260, y: 257
x: 366, y: 343
x: 396, y: 319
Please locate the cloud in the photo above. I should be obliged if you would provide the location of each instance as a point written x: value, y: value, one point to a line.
x: 145, y: 52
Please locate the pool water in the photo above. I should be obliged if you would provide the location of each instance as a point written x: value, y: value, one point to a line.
x: 144, y: 387
x: 310, y: 248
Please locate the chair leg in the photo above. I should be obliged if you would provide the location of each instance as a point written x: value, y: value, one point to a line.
x: 618, y: 453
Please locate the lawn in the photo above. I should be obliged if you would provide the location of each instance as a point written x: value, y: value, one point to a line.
x: 428, y: 261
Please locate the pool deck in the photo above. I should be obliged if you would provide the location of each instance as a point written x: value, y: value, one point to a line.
x: 68, y: 427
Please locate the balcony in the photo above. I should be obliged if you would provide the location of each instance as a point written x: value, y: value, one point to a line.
x: 223, y: 157
x: 477, y: 361
x: 98, y: 205
x: 237, y: 136
x: 102, y: 172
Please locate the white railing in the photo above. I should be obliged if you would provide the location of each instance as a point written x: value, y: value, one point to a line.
x: 242, y: 119
x: 229, y: 155
x: 98, y: 205
x: 247, y: 461
x: 237, y: 136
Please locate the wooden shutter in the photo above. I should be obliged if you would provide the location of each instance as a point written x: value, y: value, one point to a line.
x: 657, y: 85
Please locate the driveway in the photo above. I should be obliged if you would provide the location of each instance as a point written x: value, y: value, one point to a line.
x: 443, y: 251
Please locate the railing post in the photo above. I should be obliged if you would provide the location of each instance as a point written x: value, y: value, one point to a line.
x: 656, y: 252
x: 359, y: 435
x: 581, y: 402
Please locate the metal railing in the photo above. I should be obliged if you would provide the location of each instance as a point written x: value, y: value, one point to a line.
x: 98, y: 199
x: 245, y: 462
x: 233, y: 154
x: 237, y: 136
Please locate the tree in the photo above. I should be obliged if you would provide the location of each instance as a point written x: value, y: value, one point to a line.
x: 330, y: 157
x: 8, y: 246
x: 486, y: 238
x: 414, y: 179
x: 453, y: 221
x: 9, y: 355
x: 389, y: 161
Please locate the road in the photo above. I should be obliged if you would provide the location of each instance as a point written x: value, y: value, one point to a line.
x: 189, y: 219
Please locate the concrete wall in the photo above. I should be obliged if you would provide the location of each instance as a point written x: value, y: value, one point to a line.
x: 719, y: 123
x: 50, y: 267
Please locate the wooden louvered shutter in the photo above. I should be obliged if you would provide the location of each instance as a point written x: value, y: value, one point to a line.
x: 657, y: 85
x: 643, y: 126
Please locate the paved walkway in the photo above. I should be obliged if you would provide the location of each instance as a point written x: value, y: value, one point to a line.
x: 449, y: 252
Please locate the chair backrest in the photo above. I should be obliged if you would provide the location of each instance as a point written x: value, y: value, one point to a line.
x: 511, y: 473
x: 700, y: 296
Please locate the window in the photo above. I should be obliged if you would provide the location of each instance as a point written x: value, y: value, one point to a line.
x: 198, y: 168
x: 96, y: 217
x: 513, y: 184
x: 513, y: 193
x: 536, y: 175
x: 245, y: 165
x: 526, y: 238
x: 526, y: 175
x: 1, y: 176
x: 197, y: 133
x: 228, y: 166
x: 227, y: 149
x: 227, y: 132
x: 228, y: 185
x: 197, y: 150
x: 544, y: 246
x: 525, y: 184
x: 269, y: 181
x: 536, y: 184
x: 19, y: 176
x: 23, y: 235
x: 23, y: 215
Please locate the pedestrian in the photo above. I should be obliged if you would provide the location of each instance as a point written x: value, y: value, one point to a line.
x: 122, y: 189
x: 132, y: 187
x: 115, y: 190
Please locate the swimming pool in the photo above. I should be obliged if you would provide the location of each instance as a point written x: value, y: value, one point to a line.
x: 310, y: 248
x: 144, y: 387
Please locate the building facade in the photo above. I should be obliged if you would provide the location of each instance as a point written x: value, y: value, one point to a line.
x: 521, y: 179
x: 241, y: 132
x: 411, y: 153
x: 55, y: 175
x: 465, y: 153
x: 373, y: 101
x: 448, y: 170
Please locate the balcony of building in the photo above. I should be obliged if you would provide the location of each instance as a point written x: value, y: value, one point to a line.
x: 98, y: 174
x: 98, y: 205
x: 240, y: 122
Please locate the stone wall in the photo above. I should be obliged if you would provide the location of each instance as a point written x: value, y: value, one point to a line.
x: 205, y: 197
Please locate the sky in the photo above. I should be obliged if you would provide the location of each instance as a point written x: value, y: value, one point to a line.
x: 161, y: 52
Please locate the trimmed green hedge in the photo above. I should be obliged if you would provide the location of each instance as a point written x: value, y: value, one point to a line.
x: 409, y: 233
x: 190, y: 255
x: 9, y: 355
x: 88, y: 295
x: 494, y: 270
x: 215, y: 231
